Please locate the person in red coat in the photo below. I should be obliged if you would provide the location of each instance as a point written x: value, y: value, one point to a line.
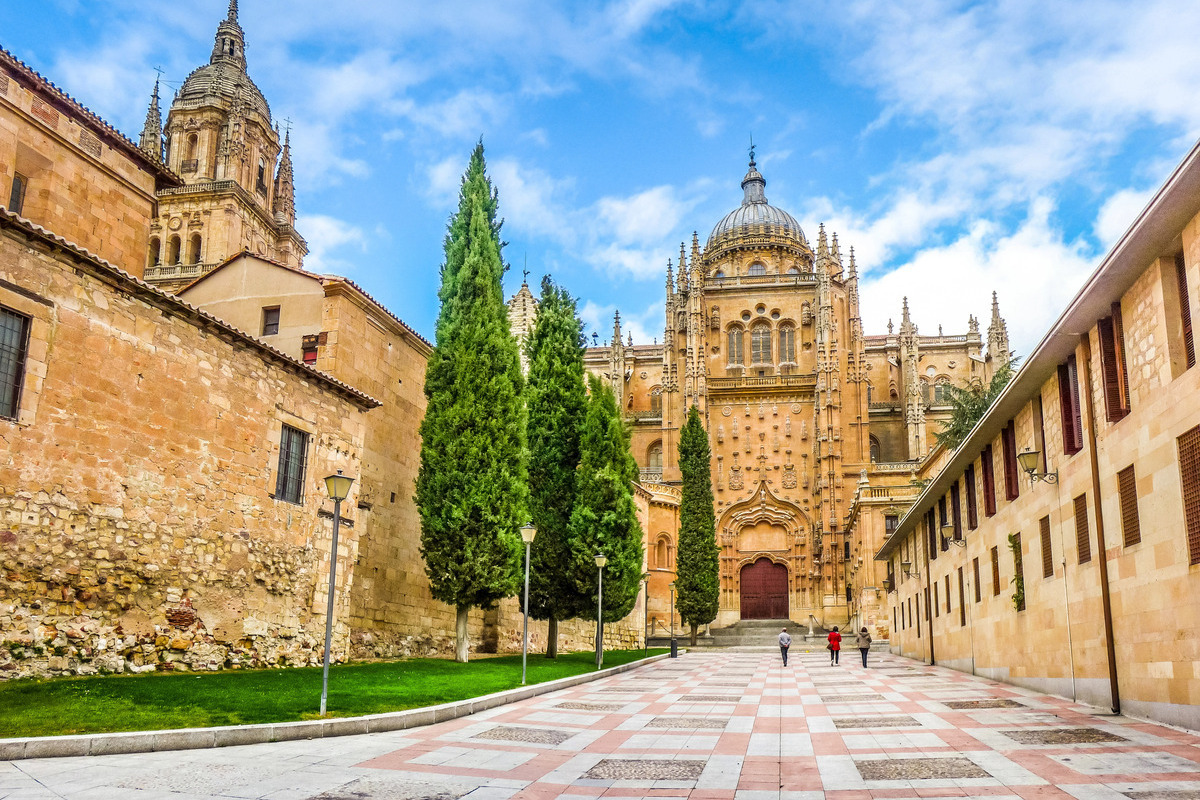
x: 835, y: 645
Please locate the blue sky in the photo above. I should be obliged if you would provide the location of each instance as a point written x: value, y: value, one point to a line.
x: 960, y: 148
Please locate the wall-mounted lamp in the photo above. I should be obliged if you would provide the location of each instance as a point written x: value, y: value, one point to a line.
x: 887, y: 585
x: 1029, y: 462
x: 907, y: 566
x: 948, y: 537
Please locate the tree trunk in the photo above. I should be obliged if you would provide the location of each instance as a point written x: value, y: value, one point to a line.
x: 552, y: 638
x: 695, y: 628
x: 461, y: 644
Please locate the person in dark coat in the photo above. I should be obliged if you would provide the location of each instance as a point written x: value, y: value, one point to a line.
x: 835, y: 645
x: 863, y: 642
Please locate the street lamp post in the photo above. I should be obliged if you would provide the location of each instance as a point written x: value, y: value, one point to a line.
x: 601, y: 560
x: 527, y: 534
x: 674, y: 651
x: 338, y: 486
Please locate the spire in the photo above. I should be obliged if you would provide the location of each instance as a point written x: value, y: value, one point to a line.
x: 695, y: 251
x: 284, y: 200
x: 853, y: 266
x: 629, y: 339
x: 617, y: 328
x: 229, y: 45
x: 998, y: 347
x: 835, y: 255
x: 906, y: 324
x: 151, y: 139
x: 670, y: 278
x: 682, y: 267
x: 754, y: 185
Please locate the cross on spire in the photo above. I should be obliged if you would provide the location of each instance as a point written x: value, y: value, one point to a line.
x: 752, y: 149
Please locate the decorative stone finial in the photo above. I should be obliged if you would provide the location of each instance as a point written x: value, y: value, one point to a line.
x: 151, y: 142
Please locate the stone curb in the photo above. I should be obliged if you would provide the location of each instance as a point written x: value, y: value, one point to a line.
x: 101, y: 744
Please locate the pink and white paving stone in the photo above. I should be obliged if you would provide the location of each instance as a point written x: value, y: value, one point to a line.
x: 711, y: 724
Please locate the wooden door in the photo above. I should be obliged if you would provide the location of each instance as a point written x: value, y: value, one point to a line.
x: 764, y: 587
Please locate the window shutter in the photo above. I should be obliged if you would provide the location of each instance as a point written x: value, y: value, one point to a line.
x: 1008, y: 441
x: 1083, y: 538
x: 972, y: 503
x: 1112, y: 365
x: 1047, y: 550
x: 1068, y: 395
x: 1127, y: 491
x: 989, y: 482
x: 1018, y: 569
x: 995, y: 572
x: 978, y: 588
x: 956, y: 511
x: 1185, y: 310
x: 1189, y: 472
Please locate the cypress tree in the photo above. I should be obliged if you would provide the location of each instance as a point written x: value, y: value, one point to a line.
x: 604, y: 519
x: 697, y: 558
x: 471, y: 488
x: 557, y: 401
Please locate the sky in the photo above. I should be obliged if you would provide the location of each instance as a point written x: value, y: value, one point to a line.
x: 960, y: 148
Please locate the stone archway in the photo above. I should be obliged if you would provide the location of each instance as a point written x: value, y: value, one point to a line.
x: 764, y: 590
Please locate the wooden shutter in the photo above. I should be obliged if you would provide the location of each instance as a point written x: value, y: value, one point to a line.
x: 962, y: 599
x: 937, y: 604
x: 947, y: 593
x: 1047, y: 550
x: 995, y: 572
x: 1112, y: 365
x: 989, y: 482
x: 931, y: 529
x: 1018, y: 569
x: 1008, y: 442
x: 1185, y: 310
x: 1127, y: 491
x: 956, y: 511
x: 978, y: 588
x: 972, y: 503
x: 1189, y: 473
x: 1068, y: 396
x: 1083, y: 539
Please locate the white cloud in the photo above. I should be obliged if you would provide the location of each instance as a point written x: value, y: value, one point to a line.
x: 1118, y: 213
x: 532, y: 201
x: 328, y: 239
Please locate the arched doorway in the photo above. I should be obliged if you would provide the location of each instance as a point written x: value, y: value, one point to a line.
x: 764, y: 589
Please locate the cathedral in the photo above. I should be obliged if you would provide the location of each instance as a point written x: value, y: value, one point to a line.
x: 763, y: 334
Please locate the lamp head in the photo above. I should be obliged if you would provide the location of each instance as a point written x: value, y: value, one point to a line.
x: 1028, y: 460
x: 338, y: 486
x: 528, y: 532
x: 601, y: 560
x: 906, y: 566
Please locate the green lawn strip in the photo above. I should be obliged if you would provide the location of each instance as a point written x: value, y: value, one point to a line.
x: 159, y: 701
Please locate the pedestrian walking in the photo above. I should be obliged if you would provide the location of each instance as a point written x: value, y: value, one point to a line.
x: 863, y: 642
x: 835, y: 645
x: 785, y: 641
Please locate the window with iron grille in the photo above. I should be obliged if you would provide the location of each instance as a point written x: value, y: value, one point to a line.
x: 760, y: 344
x: 1189, y: 473
x: 1068, y: 400
x: 14, y: 343
x: 989, y: 482
x: 1131, y: 526
x: 1185, y: 310
x: 1112, y: 365
x: 293, y: 451
x: 1018, y: 572
x: 995, y: 572
x: 975, y: 571
x: 734, y: 350
x: 270, y: 321
x: 1047, y: 550
x: 1008, y: 441
x: 1083, y: 538
x: 972, y: 503
x: 787, y: 344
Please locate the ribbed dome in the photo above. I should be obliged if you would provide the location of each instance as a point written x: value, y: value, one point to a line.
x: 755, y: 216
x: 225, y: 81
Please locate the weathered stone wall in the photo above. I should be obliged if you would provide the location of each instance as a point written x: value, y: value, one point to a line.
x: 138, y: 526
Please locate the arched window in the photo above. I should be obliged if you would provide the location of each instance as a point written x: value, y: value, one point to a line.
x: 874, y: 449
x: 194, y: 249
x: 760, y: 344
x: 262, y: 172
x: 925, y: 395
x: 654, y: 458
x: 193, y: 142
x: 663, y: 557
x: 940, y: 393
x: 173, y: 250
x: 656, y: 399
x: 787, y: 344
x: 734, y: 356
x: 719, y: 274
x: 757, y: 268
x: 155, y: 254
x: 793, y: 271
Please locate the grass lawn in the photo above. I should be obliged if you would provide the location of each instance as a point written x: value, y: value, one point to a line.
x: 196, y: 700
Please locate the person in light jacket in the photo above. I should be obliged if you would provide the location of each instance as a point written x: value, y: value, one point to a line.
x: 863, y: 642
x: 835, y: 645
x: 785, y: 641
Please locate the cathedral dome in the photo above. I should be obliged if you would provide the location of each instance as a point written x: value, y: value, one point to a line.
x: 222, y: 81
x: 755, y: 218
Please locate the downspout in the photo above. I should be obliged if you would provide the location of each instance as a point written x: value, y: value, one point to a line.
x: 1102, y: 561
x: 928, y: 600
x: 1062, y: 548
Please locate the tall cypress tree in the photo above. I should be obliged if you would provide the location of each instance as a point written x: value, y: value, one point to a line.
x: 604, y: 519
x: 697, y: 560
x: 471, y: 488
x: 557, y: 401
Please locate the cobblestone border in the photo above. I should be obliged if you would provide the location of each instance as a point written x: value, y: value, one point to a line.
x: 102, y: 744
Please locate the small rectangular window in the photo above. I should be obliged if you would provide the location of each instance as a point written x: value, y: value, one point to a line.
x: 956, y: 511
x: 962, y: 600
x: 1112, y: 365
x: 975, y: 572
x: 16, y: 197
x: 1008, y: 440
x: 937, y: 604
x: 989, y: 482
x: 1185, y: 310
x: 910, y: 613
x: 270, y: 321
x: 1131, y: 526
x: 14, y: 344
x: 1189, y: 474
x: 1068, y: 397
x: 919, y: 610
x: 310, y: 355
x: 995, y: 572
x: 1018, y: 571
x: 1083, y: 539
x: 293, y: 453
x: 931, y: 529
x: 1047, y: 550
x: 972, y: 503
x: 947, y: 593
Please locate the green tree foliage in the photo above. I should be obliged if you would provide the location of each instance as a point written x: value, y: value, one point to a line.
x: 471, y: 488
x: 557, y: 402
x: 697, y: 558
x: 968, y: 405
x: 604, y: 519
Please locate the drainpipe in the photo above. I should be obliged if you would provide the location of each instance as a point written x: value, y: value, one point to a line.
x: 1102, y: 561
x: 928, y: 599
